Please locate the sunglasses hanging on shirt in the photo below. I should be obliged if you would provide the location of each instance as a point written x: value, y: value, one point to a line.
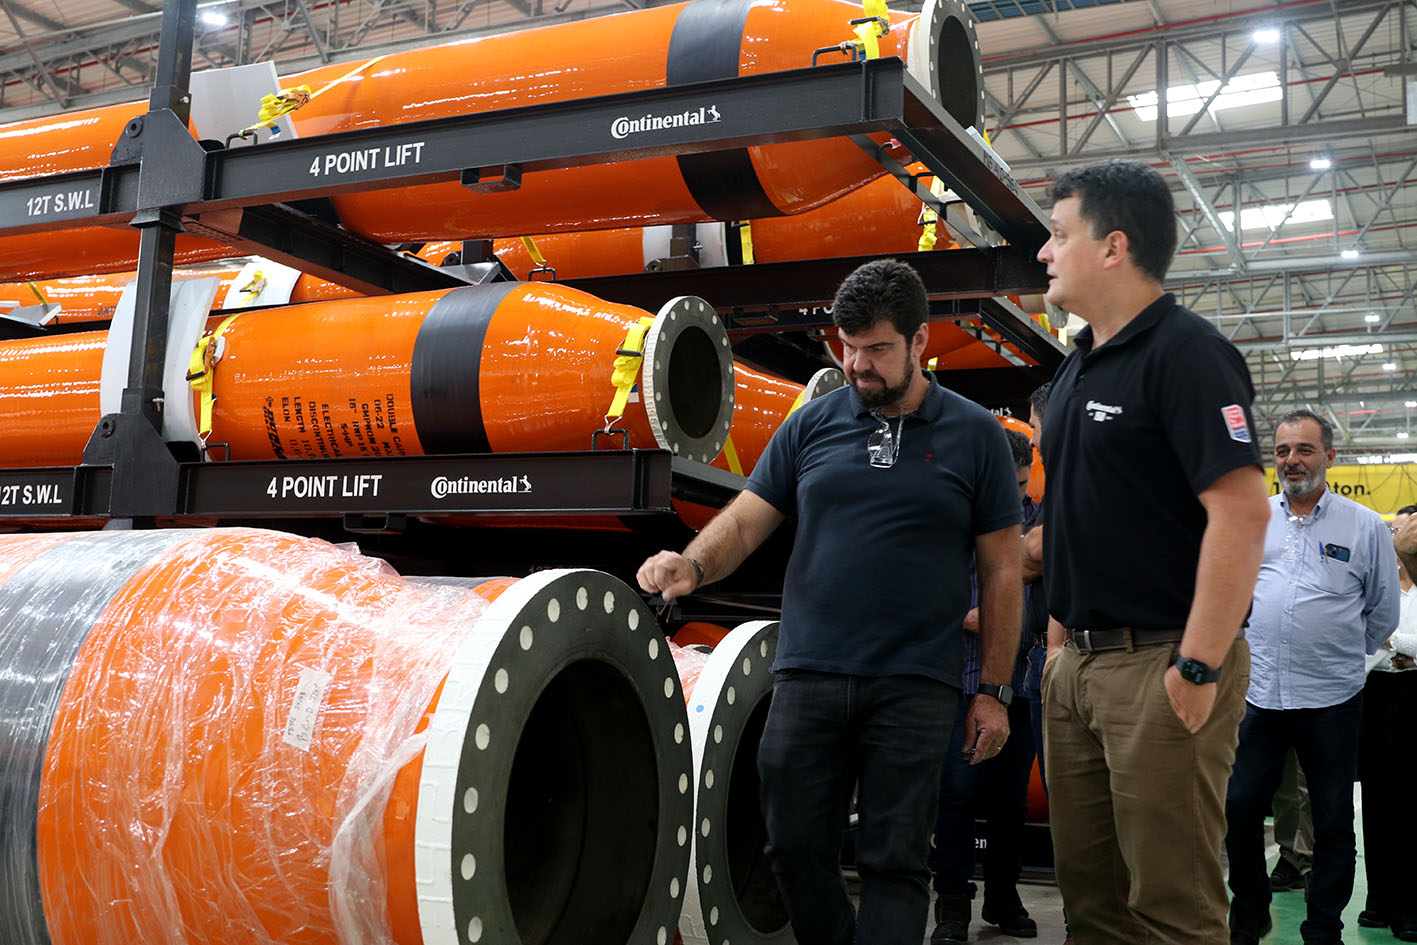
x: 883, y: 445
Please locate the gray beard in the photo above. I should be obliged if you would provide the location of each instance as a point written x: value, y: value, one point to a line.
x: 1304, y: 487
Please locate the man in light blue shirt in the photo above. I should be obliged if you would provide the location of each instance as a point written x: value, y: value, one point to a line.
x: 1327, y: 595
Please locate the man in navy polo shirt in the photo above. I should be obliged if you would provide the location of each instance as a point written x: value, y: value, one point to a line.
x: 894, y: 482
x: 1154, y: 525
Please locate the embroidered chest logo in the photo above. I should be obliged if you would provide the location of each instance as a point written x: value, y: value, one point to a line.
x: 1235, y: 423
x: 1102, y: 412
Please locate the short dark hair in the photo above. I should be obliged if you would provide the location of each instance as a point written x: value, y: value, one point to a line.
x: 1126, y: 196
x: 882, y: 289
x: 1302, y: 414
x: 1405, y: 510
x: 1038, y: 400
x: 1020, y: 447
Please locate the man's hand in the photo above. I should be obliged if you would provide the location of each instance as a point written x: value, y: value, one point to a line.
x: 986, y: 728
x: 1191, y: 703
x: 669, y: 573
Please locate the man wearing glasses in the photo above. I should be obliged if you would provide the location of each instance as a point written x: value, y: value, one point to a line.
x: 1327, y: 594
x: 894, y: 482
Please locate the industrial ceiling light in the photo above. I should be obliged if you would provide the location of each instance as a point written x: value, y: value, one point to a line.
x: 1410, y: 404
x: 213, y: 18
x: 1266, y: 35
x: 1402, y: 434
x: 1349, y: 254
x: 1320, y: 163
x: 1390, y: 366
x: 1372, y: 318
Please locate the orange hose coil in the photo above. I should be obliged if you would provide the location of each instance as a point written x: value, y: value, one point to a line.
x: 258, y: 738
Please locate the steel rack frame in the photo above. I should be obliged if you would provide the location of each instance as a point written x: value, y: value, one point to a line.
x: 162, y: 182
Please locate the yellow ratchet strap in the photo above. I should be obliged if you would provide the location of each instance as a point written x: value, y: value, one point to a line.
x: 730, y: 453
x: 534, y: 252
x: 255, y: 286
x: 38, y: 294
x: 628, y: 358
x: 201, y: 368
x: 274, y: 107
x: 868, y: 35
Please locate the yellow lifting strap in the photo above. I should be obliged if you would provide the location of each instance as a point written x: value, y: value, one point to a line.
x: 730, y: 453
x: 929, y: 232
x: 534, y: 252
x: 274, y: 107
x: 628, y: 358
x: 201, y: 368
x: 869, y: 34
x: 38, y: 294
x: 745, y: 242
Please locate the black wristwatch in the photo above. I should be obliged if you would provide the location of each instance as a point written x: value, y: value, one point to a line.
x: 1004, y: 694
x: 1196, y: 672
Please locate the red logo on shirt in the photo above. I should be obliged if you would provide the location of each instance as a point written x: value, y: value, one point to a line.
x: 1235, y: 423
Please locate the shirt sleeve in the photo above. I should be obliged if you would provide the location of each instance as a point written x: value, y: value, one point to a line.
x: 1382, y: 595
x: 774, y: 479
x: 1205, y: 394
x: 996, y: 502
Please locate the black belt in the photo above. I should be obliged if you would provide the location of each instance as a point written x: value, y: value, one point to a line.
x: 1086, y: 640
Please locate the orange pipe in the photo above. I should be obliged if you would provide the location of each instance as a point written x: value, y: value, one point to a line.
x: 499, y: 368
x: 252, y: 733
x: 881, y: 217
x: 761, y: 402
x: 95, y: 297
x: 676, y: 44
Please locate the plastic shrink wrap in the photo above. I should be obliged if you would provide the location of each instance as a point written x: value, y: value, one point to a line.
x: 238, y: 737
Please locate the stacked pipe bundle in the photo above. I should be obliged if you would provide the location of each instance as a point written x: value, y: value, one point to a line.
x: 231, y: 735
x: 672, y: 45
x: 732, y: 896
x: 497, y: 368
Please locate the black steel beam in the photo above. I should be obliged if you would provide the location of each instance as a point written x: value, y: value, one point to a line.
x: 607, y: 482
x: 954, y: 273
x: 323, y: 250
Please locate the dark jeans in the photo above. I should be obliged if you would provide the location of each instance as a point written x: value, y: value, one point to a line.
x: 885, y: 737
x: 1036, y: 657
x: 995, y: 790
x: 1326, y: 742
x: 1387, y: 766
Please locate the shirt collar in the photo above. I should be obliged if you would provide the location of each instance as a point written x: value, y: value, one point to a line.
x: 929, y: 409
x: 1319, y: 506
x: 1145, y: 321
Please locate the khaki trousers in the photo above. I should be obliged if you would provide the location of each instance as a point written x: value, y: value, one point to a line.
x: 1137, y: 803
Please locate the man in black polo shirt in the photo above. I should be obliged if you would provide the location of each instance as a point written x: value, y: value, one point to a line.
x: 894, y: 482
x: 1155, y: 523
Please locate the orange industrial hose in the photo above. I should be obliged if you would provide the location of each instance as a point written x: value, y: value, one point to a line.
x: 231, y: 735
x: 498, y: 368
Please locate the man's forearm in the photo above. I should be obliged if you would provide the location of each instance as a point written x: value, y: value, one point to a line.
x: 1000, y: 624
x: 724, y: 543
x: 1231, y: 550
